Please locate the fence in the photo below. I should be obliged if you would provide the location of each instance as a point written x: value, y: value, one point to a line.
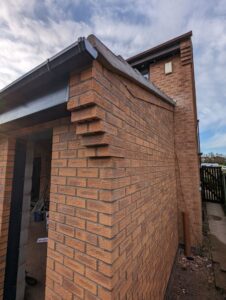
x: 224, y: 186
x: 212, y: 184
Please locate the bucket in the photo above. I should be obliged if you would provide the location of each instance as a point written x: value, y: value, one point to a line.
x: 38, y: 216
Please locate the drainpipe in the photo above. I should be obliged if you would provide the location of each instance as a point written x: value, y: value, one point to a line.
x: 187, y: 236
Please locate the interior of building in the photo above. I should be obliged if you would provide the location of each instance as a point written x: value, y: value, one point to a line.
x: 32, y: 252
x: 38, y: 225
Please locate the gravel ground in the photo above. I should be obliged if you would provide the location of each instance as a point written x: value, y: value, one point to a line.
x: 194, y: 279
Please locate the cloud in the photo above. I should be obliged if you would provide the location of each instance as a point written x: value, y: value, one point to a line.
x: 26, y: 41
x: 32, y: 31
x: 216, y: 142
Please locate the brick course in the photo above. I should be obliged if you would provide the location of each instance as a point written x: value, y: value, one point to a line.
x: 7, y: 154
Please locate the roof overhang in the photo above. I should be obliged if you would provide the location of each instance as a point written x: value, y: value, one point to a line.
x: 164, y: 50
x: 120, y: 66
x: 42, y: 93
x: 45, y: 87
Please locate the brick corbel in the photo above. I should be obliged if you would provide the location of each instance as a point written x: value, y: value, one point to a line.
x: 186, y: 53
x: 98, y: 136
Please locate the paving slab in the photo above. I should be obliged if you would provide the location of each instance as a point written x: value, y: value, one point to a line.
x: 217, y: 234
x: 220, y: 278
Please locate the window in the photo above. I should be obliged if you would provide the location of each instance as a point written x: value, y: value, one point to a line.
x: 145, y: 73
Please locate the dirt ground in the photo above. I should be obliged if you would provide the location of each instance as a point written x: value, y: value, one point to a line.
x: 194, y: 279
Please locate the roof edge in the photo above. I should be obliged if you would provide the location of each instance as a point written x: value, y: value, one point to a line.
x: 123, y: 68
x: 160, y: 47
x: 82, y: 45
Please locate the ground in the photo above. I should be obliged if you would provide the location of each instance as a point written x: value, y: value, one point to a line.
x: 36, y: 260
x: 195, y: 279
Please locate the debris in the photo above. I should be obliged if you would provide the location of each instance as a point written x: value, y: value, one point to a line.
x: 42, y: 240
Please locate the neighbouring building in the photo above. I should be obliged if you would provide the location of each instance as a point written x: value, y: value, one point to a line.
x: 112, y: 158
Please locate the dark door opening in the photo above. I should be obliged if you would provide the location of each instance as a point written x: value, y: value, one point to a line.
x: 36, y: 178
x: 28, y: 225
x: 15, y: 222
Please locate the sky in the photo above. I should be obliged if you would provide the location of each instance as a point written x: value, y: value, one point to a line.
x: 32, y: 31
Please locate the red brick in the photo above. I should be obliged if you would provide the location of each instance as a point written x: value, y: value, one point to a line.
x: 87, y: 193
x: 75, y: 201
x: 64, y: 271
x: 86, y: 260
x: 86, y: 214
x: 77, y: 163
x: 75, y: 243
x: 67, y: 171
x: 73, y: 288
x: 54, y: 276
x: 75, y: 222
x: 66, y: 190
x: 65, y: 229
x: 62, y: 292
x: 59, y: 163
x: 99, y: 278
x: 75, y: 181
x: 65, y: 250
x: 87, y: 172
x: 55, y: 255
x: 87, y: 114
x: 99, y: 206
x: 99, y: 254
x: 86, y: 236
x: 66, y: 209
x: 100, y: 229
x: 74, y: 265
x: 85, y: 283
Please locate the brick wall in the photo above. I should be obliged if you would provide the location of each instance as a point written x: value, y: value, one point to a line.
x: 7, y: 152
x: 180, y: 86
x: 113, y: 230
x: 113, y: 219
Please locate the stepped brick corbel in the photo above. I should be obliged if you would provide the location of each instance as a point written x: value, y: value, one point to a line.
x: 91, y: 112
x: 186, y: 53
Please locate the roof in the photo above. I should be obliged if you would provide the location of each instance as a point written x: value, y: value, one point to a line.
x: 53, y: 71
x: 119, y: 65
x: 162, y: 50
x: 56, y: 70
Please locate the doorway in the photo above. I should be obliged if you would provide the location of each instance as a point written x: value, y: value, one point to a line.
x: 28, y: 224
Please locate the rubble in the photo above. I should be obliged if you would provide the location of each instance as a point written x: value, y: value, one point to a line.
x: 193, y: 278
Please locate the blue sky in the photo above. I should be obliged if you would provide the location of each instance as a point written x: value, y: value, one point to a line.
x: 32, y: 31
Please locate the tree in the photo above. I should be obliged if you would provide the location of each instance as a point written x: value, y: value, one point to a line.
x: 214, y: 158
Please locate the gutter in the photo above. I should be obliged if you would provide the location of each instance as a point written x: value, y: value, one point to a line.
x: 52, y: 77
x: 52, y: 65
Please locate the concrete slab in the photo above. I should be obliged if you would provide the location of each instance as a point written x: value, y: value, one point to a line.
x: 220, y: 278
x: 36, y: 260
x: 217, y: 233
x: 214, y: 209
x: 217, y: 221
